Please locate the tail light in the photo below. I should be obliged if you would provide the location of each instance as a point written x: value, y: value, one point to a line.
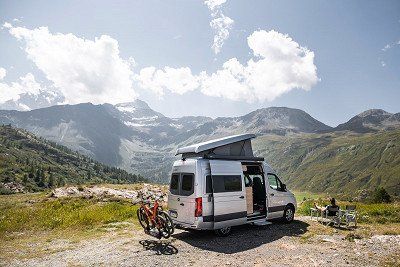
x: 198, y: 212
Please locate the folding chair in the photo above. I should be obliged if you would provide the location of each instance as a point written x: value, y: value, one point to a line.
x: 350, y: 215
x: 332, y: 216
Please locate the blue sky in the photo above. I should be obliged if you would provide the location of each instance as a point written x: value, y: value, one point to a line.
x: 354, y: 71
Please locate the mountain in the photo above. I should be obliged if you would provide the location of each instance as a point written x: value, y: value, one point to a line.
x: 371, y: 121
x: 37, y: 163
x: 337, y: 162
x: 138, y: 139
x: 29, y: 101
x: 272, y: 120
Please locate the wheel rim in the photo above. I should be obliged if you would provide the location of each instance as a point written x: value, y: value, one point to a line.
x: 289, y: 214
x: 225, y: 230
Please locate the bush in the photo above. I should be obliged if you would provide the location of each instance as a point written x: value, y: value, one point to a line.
x: 381, y: 196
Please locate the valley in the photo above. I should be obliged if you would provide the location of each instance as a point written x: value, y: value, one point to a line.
x: 361, y: 154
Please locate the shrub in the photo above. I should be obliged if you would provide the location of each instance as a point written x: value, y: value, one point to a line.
x: 381, y: 196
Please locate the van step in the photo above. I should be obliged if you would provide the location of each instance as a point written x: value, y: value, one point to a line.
x: 262, y: 222
x: 255, y: 218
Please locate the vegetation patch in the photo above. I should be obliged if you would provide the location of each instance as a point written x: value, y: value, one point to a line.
x: 41, y: 213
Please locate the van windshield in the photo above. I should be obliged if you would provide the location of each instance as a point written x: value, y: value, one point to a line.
x: 182, y: 184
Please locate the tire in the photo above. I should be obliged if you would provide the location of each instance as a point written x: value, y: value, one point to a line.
x: 164, y: 229
x: 142, y: 218
x: 168, y: 220
x: 223, y: 231
x: 288, y: 215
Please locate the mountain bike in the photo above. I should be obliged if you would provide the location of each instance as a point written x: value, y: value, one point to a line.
x: 155, y: 221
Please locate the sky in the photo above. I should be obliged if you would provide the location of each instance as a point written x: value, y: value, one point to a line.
x: 333, y: 59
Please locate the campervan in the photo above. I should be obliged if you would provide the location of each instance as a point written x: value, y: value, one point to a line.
x: 220, y: 183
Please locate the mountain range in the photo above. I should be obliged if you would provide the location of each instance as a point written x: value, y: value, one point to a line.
x: 138, y: 139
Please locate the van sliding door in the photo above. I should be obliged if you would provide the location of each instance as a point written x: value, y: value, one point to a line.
x: 228, y: 193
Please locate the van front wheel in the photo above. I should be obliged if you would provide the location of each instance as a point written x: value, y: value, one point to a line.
x: 223, y: 231
x: 288, y: 215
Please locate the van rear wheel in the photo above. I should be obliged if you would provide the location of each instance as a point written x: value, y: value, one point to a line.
x: 223, y: 231
x: 288, y: 215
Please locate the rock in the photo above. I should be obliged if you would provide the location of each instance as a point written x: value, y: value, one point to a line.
x: 13, y: 187
x: 148, y: 193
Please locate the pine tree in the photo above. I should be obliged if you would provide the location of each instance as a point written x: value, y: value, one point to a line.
x: 52, y: 181
x: 42, y: 182
x: 61, y: 181
x: 25, y: 179
x: 37, y: 176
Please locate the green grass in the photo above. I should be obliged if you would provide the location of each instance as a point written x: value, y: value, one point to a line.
x: 34, y: 212
x: 367, y: 213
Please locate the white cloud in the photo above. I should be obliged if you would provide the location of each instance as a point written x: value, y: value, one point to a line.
x: 213, y: 4
x: 83, y: 70
x: 383, y: 63
x: 26, y: 85
x: 220, y: 23
x: 6, y: 25
x: 176, y: 80
x: 3, y: 73
x: 279, y: 65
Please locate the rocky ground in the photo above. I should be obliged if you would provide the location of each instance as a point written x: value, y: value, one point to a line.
x: 144, y: 192
x: 301, y: 243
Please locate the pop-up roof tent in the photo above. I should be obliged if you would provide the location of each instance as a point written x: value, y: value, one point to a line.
x: 235, y: 147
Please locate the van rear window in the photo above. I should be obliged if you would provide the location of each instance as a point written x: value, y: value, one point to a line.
x: 174, y: 186
x: 187, y: 184
x: 227, y: 183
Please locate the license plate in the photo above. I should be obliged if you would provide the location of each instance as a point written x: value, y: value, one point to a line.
x: 173, y: 214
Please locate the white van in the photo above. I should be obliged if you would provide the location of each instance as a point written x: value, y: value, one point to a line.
x: 219, y: 184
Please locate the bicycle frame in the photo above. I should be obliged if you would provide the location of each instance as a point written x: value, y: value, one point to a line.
x: 151, y: 213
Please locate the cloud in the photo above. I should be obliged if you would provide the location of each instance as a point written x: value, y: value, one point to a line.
x: 25, y: 85
x: 383, y: 63
x: 220, y: 23
x: 176, y: 80
x: 3, y: 73
x: 279, y: 65
x: 214, y: 4
x: 83, y: 70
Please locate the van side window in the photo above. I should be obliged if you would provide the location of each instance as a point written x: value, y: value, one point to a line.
x: 208, y: 184
x: 174, y: 186
x: 187, y: 184
x: 227, y: 183
x: 274, y: 182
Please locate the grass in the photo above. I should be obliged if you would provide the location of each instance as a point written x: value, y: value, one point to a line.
x: 36, y: 212
x: 381, y: 213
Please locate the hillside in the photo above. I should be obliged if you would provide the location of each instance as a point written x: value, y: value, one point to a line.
x: 37, y: 163
x: 138, y: 139
x: 371, y: 121
x: 335, y: 162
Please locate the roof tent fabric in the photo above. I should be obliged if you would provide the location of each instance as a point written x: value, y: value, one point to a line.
x: 235, y: 145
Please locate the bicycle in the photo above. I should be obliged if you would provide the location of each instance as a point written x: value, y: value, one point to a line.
x: 155, y: 221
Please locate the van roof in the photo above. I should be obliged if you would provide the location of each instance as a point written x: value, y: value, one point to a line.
x: 200, y: 147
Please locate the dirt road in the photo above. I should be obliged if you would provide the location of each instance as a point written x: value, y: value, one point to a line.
x: 296, y: 244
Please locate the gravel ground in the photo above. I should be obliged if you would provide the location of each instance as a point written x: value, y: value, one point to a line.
x: 271, y: 245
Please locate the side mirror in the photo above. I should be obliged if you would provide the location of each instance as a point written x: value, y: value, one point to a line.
x: 284, y: 187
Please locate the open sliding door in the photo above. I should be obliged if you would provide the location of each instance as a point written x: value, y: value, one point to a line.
x: 228, y: 193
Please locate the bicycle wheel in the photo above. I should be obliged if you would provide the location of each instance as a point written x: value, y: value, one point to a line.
x: 142, y: 217
x: 168, y: 220
x: 162, y: 226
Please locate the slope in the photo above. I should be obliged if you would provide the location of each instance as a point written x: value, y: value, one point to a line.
x: 37, y: 163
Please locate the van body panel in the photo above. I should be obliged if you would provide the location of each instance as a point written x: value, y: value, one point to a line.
x: 220, y: 209
x: 228, y: 193
x: 181, y: 205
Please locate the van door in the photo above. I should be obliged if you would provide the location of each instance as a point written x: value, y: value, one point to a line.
x: 276, y: 197
x: 228, y: 193
x: 181, y: 203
